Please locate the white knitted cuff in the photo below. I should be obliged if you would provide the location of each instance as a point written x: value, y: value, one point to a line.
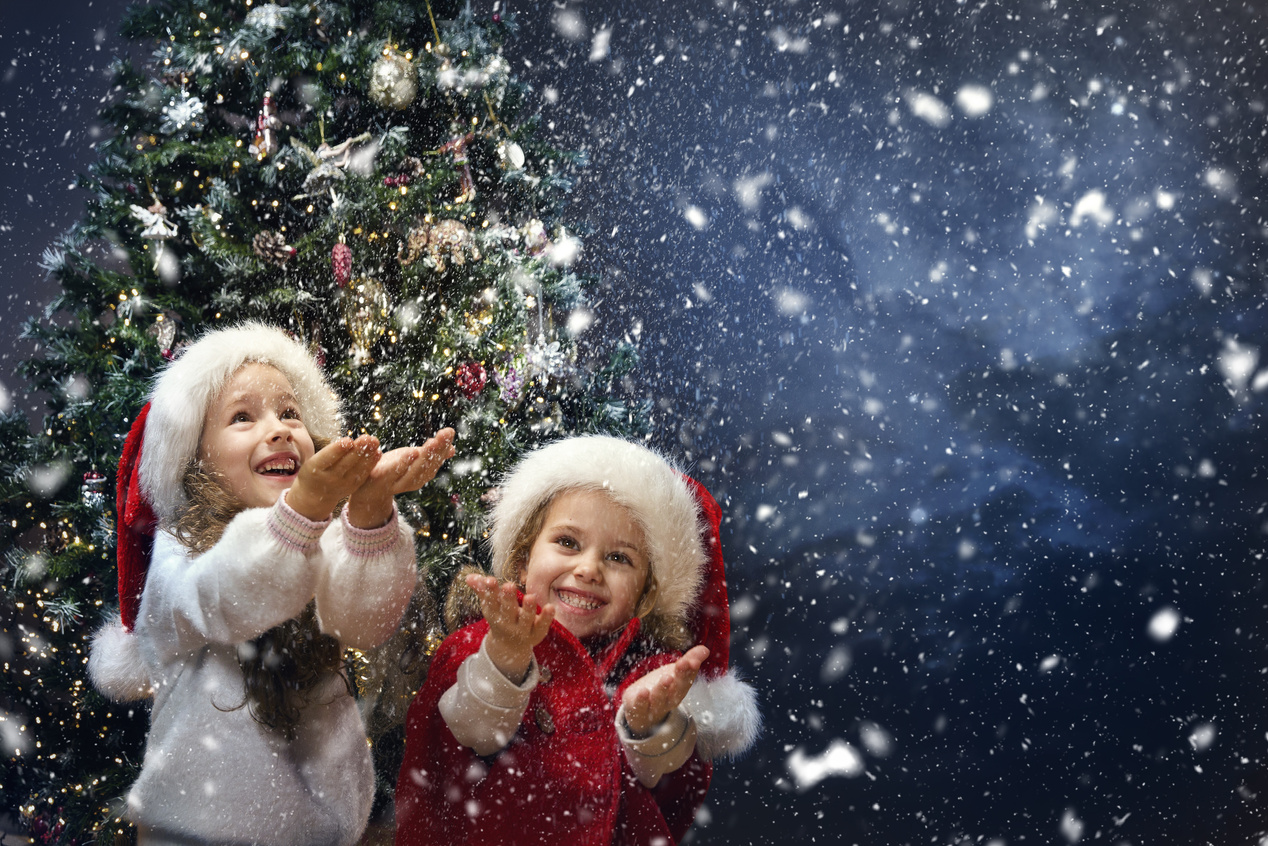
x: 292, y: 529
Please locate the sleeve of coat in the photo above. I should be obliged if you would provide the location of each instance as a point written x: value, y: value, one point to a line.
x: 677, y: 780
x: 365, y: 580
x: 260, y: 573
x: 483, y: 708
x: 666, y: 749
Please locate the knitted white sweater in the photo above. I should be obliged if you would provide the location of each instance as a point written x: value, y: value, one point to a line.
x: 212, y: 774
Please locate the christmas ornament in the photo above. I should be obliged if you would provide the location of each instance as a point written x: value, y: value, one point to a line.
x: 182, y: 114
x: 365, y: 314
x: 328, y: 164
x: 341, y: 263
x: 266, y: 126
x: 411, y: 169
x: 92, y: 491
x: 267, y: 16
x: 510, y: 384
x: 479, y: 321
x: 511, y: 155
x: 458, y: 147
x: 156, y: 227
x: 393, y: 80
x: 164, y: 332
x: 324, y: 176
x: 272, y: 247
x: 546, y: 359
x: 535, y: 239
x: 471, y: 379
x: 154, y: 220
x: 436, y: 239
x: 493, y: 77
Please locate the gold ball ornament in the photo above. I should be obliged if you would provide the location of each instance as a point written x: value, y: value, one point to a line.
x: 393, y: 81
x: 366, y: 311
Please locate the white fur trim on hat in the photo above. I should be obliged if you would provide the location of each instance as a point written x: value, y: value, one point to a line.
x: 185, y: 389
x: 726, y: 714
x: 636, y: 478
x: 115, y: 666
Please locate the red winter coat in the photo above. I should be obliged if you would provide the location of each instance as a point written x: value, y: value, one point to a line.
x: 562, y: 779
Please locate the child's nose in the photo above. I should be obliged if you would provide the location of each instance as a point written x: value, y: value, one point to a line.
x: 587, y: 568
x: 278, y: 430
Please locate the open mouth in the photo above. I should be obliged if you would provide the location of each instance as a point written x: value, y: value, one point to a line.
x: 581, y: 603
x: 285, y: 466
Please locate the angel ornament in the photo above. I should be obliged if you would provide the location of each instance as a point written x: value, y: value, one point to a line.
x: 328, y: 164
x: 155, y: 226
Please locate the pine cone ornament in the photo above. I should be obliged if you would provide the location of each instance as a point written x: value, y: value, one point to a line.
x: 341, y: 263
x: 272, y: 247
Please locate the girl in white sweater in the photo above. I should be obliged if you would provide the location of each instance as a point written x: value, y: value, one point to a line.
x: 240, y: 586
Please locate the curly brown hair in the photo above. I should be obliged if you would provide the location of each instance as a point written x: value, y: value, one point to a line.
x: 282, y: 666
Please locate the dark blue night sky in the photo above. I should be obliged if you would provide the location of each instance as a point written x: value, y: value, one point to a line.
x: 959, y: 308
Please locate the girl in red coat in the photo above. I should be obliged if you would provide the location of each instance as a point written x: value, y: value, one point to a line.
x: 588, y: 704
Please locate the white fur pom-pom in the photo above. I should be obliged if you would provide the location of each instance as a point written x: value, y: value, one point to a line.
x: 726, y: 714
x: 115, y: 666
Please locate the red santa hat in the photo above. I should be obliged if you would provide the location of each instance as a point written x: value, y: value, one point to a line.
x: 681, y: 524
x: 161, y: 445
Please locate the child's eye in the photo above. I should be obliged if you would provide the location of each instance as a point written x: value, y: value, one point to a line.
x: 566, y: 541
x: 620, y: 558
x: 290, y: 414
x: 242, y: 417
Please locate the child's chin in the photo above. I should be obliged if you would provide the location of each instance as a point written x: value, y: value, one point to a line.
x: 589, y: 634
x: 267, y: 493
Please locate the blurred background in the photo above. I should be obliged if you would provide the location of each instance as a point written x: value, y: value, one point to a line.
x: 958, y: 308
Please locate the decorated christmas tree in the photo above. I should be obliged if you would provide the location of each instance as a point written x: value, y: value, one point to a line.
x: 367, y: 174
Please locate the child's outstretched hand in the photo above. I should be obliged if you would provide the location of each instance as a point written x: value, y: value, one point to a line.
x: 332, y: 474
x: 398, y: 471
x: 649, y: 700
x: 514, y: 629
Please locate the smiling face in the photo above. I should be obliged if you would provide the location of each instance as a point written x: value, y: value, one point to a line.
x: 254, y: 441
x: 590, y: 561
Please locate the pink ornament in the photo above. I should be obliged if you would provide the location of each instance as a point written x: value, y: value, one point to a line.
x: 471, y: 379
x: 341, y: 263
